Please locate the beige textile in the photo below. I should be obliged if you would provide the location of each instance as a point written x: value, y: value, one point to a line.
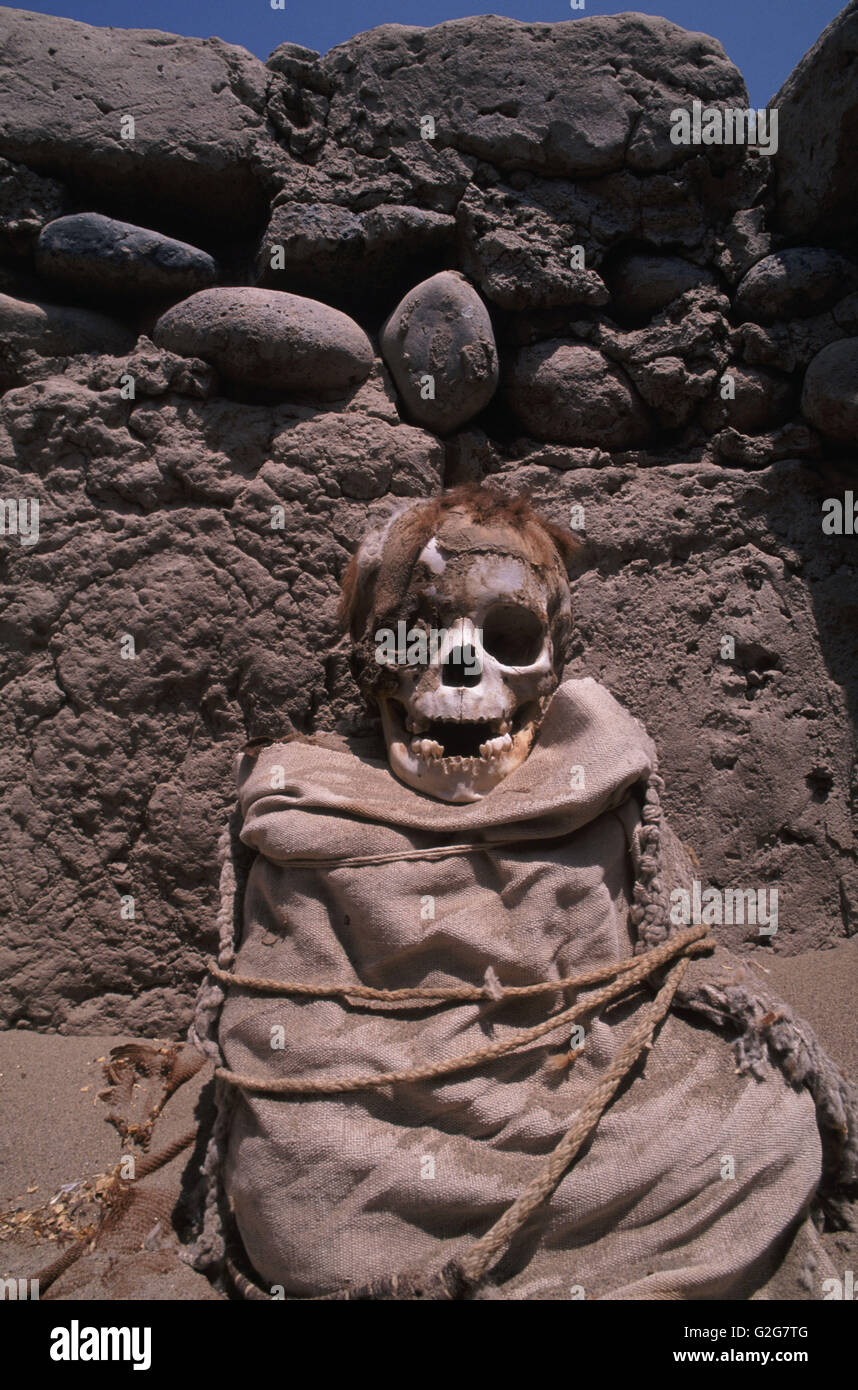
x: 697, y: 1177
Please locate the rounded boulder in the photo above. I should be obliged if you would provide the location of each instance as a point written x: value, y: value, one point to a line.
x: 565, y: 393
x: 794, y: 284
x: 642, y: 284
x: 92, y: 252
x: 829, y: 397
x: 58, y: 330
x: 269, y: 339
x: 759, y: 401
x: 440, y: 348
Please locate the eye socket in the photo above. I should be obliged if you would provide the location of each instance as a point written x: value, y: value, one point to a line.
x: 513, y: 635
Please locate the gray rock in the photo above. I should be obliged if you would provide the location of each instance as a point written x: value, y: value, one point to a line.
x: 674, y: 361
x: 762, y: 400
x: 788, y: 346
x: 576, y: 99
x: 155, y: 372
x: 815, y: 163
x: 201, y: 142
x: 93, y: 253
x: 281, y: 342
x: 793, y: 441
x: 327, y: 249
x: 745, y: 241
x: 845, y: 314
x: 671, y: 391
x: 315, y: 238
x: 794, y: 284
x: 406, y: 232
x: 513, y: 110
x: 829, y: 397
x: 651, y: 149
x: 439, y: 341
x: 641, y: 285
x: 299, y: 64
x: 521, y: 255
x: 562, y: 99
x: 565, y: 393
x: 51, y: 331
x: 27, y: 202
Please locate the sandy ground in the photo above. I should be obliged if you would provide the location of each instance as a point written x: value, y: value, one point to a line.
x: 822, y: 987
x: 52, y: 1124
x: 56, y: 1142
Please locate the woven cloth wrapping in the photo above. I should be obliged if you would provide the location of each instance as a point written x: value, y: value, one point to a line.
x: 700, y: 1173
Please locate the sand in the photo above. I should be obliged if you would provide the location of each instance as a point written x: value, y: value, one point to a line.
x: 822, y: 987
x: 52, y: 1125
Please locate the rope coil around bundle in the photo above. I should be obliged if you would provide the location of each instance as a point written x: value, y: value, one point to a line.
x: 415, y: 996
x: 466, y: 1272
x: 693, y: 941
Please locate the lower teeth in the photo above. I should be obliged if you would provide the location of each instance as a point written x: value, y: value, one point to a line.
x: 426, y: 748
x: 432, y: 751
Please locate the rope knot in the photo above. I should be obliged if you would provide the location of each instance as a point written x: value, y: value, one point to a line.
x: 492, y: 985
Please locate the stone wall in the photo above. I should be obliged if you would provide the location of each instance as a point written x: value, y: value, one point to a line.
x: 211, y: 383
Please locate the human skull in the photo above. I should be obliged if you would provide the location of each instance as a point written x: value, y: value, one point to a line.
x: 461, y: 613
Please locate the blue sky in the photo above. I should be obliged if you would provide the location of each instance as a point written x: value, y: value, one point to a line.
x: 764, y: 38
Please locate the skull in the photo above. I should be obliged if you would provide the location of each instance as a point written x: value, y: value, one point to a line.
x: 460, y: 612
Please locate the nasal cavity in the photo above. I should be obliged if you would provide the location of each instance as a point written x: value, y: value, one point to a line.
x: 462, y: 667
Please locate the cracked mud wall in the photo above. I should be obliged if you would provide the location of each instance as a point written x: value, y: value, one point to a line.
x: 211, y: 515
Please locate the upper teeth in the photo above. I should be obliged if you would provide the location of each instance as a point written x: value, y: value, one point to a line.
x: 415, y: 725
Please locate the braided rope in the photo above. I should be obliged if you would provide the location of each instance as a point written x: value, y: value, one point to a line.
x: 411, y: 997
x: 207, y: 1251
x: 480, y: 1256
x: 693, y: 941
x: 120, y: 1194
x: 362, y: 861
x: 648, y: 912
x: 243, y: 1285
